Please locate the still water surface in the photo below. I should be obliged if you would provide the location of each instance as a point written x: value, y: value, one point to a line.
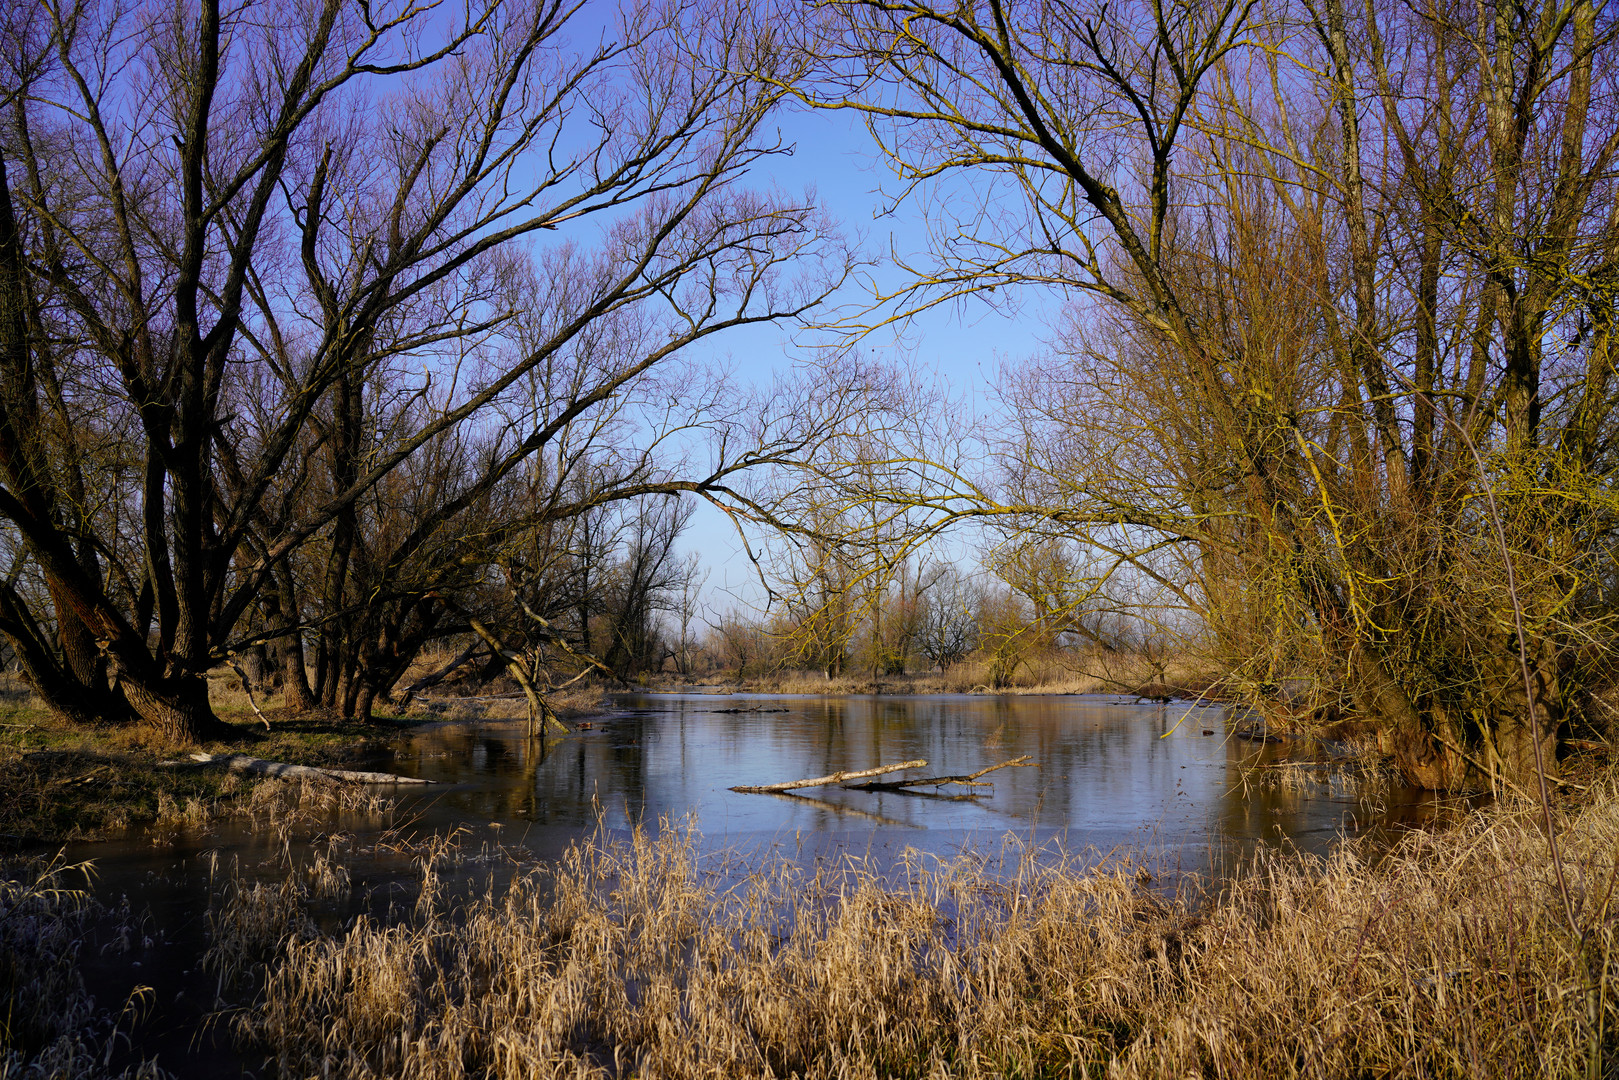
x: 1111, y: 775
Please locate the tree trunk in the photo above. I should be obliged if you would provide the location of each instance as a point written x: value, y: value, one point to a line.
x: 255, y: 664
x: 1518, y: 723
x: 58, y: 693
x: 1426, y: 748
x: 1434, y: 749
x: 364, y: 698
x: 56, y: 682
x: 296, y: 695
x: 177, y: 707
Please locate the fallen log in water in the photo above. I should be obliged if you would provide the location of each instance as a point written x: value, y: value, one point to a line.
x: 835, y: 778
x: 243, y: 763
x: 967, y: 780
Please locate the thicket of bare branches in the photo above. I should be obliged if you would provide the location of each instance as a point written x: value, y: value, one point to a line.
x: 1337, y: 384
x: 310, y: 313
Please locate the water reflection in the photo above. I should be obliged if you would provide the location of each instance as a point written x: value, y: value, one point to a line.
x: 1111, y: 775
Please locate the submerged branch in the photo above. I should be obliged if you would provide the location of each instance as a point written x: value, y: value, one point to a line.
x: 839, y: 808
x: 968, y: 779
x: 835, y: 778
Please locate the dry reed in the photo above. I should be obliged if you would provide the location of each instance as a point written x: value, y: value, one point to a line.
x: 51, y: 1028
x: 1443, y: 958
x: 1043, y: 674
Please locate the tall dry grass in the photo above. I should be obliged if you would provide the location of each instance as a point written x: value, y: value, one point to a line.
x: 51, y: 1027
x: 1444, y: 958
x: 1042, y: 673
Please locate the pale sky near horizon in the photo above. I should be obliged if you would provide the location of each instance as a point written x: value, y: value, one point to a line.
x: 964, y: 344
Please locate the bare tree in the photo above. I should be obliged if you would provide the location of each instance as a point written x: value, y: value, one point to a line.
x: 949, y: 619
x: 224, y: 232
x: 1342, y: 281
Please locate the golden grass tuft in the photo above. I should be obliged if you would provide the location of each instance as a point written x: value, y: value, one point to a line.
x: 1444, y: 958
x: 1042, y: 673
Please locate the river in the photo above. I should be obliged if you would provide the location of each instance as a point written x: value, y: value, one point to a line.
x: 1172, y: 783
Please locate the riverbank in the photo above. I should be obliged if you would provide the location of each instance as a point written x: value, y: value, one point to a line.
x: 1129, y: 678
x: 484, y: 924
x: 65, y: 783
x: 636, y: 958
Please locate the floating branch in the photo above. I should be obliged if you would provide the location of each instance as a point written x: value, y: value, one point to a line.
x: 969, y: 780
x: 835, y: 778
x: 243, y: 763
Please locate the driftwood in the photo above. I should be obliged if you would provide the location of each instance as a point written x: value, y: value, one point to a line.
x: 835, y: 778
x: 967, y: 780
x: 243, y: 763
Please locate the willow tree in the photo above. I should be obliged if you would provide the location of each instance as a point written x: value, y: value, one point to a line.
x: 223, y: 229
x: 1336, y: 373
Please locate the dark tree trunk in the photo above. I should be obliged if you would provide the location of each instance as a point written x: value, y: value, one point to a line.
x: 255, y: 665
x: 296, y: 695
x: 364, y: 697
x: 53, y: 681
x: 178, y: 708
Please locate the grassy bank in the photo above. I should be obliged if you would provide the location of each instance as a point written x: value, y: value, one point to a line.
x: 1448, y: 957
x: 64, y: 782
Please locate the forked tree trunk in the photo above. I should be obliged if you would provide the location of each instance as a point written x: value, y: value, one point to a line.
x: 54, y: 678
x: 177, y: 707
x: 61, y: 695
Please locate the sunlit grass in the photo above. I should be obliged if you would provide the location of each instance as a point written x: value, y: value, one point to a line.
x: 1444, y: 958
x: 66, y: 782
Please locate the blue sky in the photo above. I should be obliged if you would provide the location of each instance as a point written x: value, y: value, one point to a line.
x: 963, y: 344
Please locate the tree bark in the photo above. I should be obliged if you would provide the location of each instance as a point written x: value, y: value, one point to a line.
x: 178, y: 707
x: 296, y: 695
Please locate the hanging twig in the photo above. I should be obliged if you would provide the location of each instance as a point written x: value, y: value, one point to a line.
x: 247, y: 688
x: 835, y: 778
x: 968, y: 780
